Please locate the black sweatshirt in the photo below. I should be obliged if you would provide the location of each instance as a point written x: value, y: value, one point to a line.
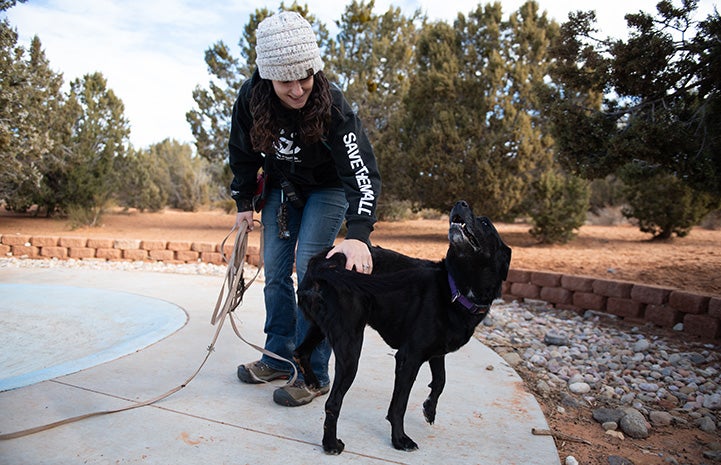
x: 344, y: 158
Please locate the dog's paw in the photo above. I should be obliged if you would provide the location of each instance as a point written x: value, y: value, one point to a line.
x: 333, y: 447
x: 429, y: 411
x: 405, y: 443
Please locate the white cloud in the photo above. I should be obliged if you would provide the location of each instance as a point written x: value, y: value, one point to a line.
x: 152, y: 51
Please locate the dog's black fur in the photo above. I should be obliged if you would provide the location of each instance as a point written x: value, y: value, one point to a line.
x: 409, y: 302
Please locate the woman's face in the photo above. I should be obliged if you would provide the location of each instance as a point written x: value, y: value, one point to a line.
x: 294, y: 94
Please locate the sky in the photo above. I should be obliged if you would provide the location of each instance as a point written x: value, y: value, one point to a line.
x: 152, y: 51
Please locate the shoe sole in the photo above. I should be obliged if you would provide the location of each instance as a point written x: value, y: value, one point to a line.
x: 282, y: 397
x: 248, y: 377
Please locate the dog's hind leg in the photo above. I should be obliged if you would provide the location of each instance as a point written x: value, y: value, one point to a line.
x: 347, y: 353
x: 406, y: 372
x: 302, y: 354
x: 438, y: 382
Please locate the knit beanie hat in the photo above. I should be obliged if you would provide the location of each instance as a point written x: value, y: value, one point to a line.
x: 286, y: 48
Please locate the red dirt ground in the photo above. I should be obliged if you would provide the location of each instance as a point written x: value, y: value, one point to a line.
x: 623, y: 253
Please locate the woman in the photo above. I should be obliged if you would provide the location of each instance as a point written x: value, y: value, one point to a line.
x: 321, y: 169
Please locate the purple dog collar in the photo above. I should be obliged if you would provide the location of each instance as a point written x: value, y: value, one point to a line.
x: 456, y: 296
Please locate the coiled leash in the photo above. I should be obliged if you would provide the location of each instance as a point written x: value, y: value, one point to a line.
x: 223, y: 307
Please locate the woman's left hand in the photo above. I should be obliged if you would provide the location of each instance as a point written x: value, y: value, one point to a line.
x: 357, y: 255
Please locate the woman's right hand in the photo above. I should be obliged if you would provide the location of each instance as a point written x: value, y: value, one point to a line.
x: 244, y: 216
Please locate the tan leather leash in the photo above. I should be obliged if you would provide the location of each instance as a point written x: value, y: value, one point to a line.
x: 224, y: 306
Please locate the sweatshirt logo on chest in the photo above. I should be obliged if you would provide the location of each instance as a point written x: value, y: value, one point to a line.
x: 286, y: 148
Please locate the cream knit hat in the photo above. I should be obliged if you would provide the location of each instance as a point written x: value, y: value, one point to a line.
x: 286, y: 48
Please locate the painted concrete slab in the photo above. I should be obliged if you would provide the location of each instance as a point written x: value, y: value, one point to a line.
x: 485, y: 415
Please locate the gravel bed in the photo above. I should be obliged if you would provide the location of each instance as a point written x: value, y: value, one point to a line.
x: 591, y: 359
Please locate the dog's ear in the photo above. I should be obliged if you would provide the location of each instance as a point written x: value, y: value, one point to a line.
x: 503, y: 259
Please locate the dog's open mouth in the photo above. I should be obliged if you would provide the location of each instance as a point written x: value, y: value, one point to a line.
x: 458, y: 223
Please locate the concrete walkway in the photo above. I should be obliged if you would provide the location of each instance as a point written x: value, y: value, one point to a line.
x: 485, y: 415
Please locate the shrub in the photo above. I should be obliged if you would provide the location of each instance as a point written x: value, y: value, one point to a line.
x: 662, y: 203
x: 558, y: 207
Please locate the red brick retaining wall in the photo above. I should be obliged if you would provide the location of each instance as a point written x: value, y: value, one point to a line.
x: 176, y: 252
x: 700, y: 315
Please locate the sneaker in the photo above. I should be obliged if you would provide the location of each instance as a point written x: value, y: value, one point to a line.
x: 258, y: 372
x: 297, y: 394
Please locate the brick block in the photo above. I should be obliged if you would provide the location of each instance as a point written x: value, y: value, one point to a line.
x: 650, y: 294
x: 519, y: 276
x: 153, y: 245
x: 25, y: 251
x: 689, y: 303
x: 589, y: 301
x: 72, y: 242
x: 54, y: 252
x: 187, y: 256
x: 714, y: 307
x: 253, y: 260
x: 203, y: 247
x: 135, y: 254
x: 161, y: 255
x: 526, y: 291
x: 228, y: 250
x: 97, y: 243
x: 5, y: 249
x: 703, y: 326
x: 505, y: 287
x: 618, y: 289
x: 178, y: 245
x: 577, y: 283
x: 211, y: 257
x: 109, y: 254
x: 81, y: 252
x: 556, y: 295
x: 544, y: 279
x: 44, y: 241
x: 663, y: 315
x: 126, y: 244
x: 625, y: 308
x: 16, y: 239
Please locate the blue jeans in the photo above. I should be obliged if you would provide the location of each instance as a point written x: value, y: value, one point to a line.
x: 312, y: 229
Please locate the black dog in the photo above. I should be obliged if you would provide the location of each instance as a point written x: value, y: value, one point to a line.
x: 423, y: 309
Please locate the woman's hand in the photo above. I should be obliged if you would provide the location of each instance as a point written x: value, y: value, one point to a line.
x: 247, y: 216
x: 357, y: 255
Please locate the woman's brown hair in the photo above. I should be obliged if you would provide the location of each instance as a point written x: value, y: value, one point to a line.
x: 270, y: 117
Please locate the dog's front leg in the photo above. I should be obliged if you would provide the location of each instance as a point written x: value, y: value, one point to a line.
x: 406, y: 372
x: 438, y: 382
x: 347, y: 353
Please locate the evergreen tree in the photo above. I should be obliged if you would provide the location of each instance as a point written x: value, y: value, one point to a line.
x: 84, y: 178
x: 661, y: 110
x: 474, y: 127
x: 30, y: 118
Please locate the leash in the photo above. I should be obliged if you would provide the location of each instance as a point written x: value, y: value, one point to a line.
x: 223, y: 307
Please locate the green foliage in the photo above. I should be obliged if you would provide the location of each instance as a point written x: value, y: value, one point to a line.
x: 84, y: 175
x: 662, y: 110
x: 558, y: 206
x: 183, y: 178
x: 30, y: 117
x: 166, y: 174
x: 606, y: 192
x: 395, y: 210
x: 473, y: 127
x: 662, y: 203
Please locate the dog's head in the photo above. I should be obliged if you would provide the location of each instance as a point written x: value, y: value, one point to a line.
x: 477, y: 257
